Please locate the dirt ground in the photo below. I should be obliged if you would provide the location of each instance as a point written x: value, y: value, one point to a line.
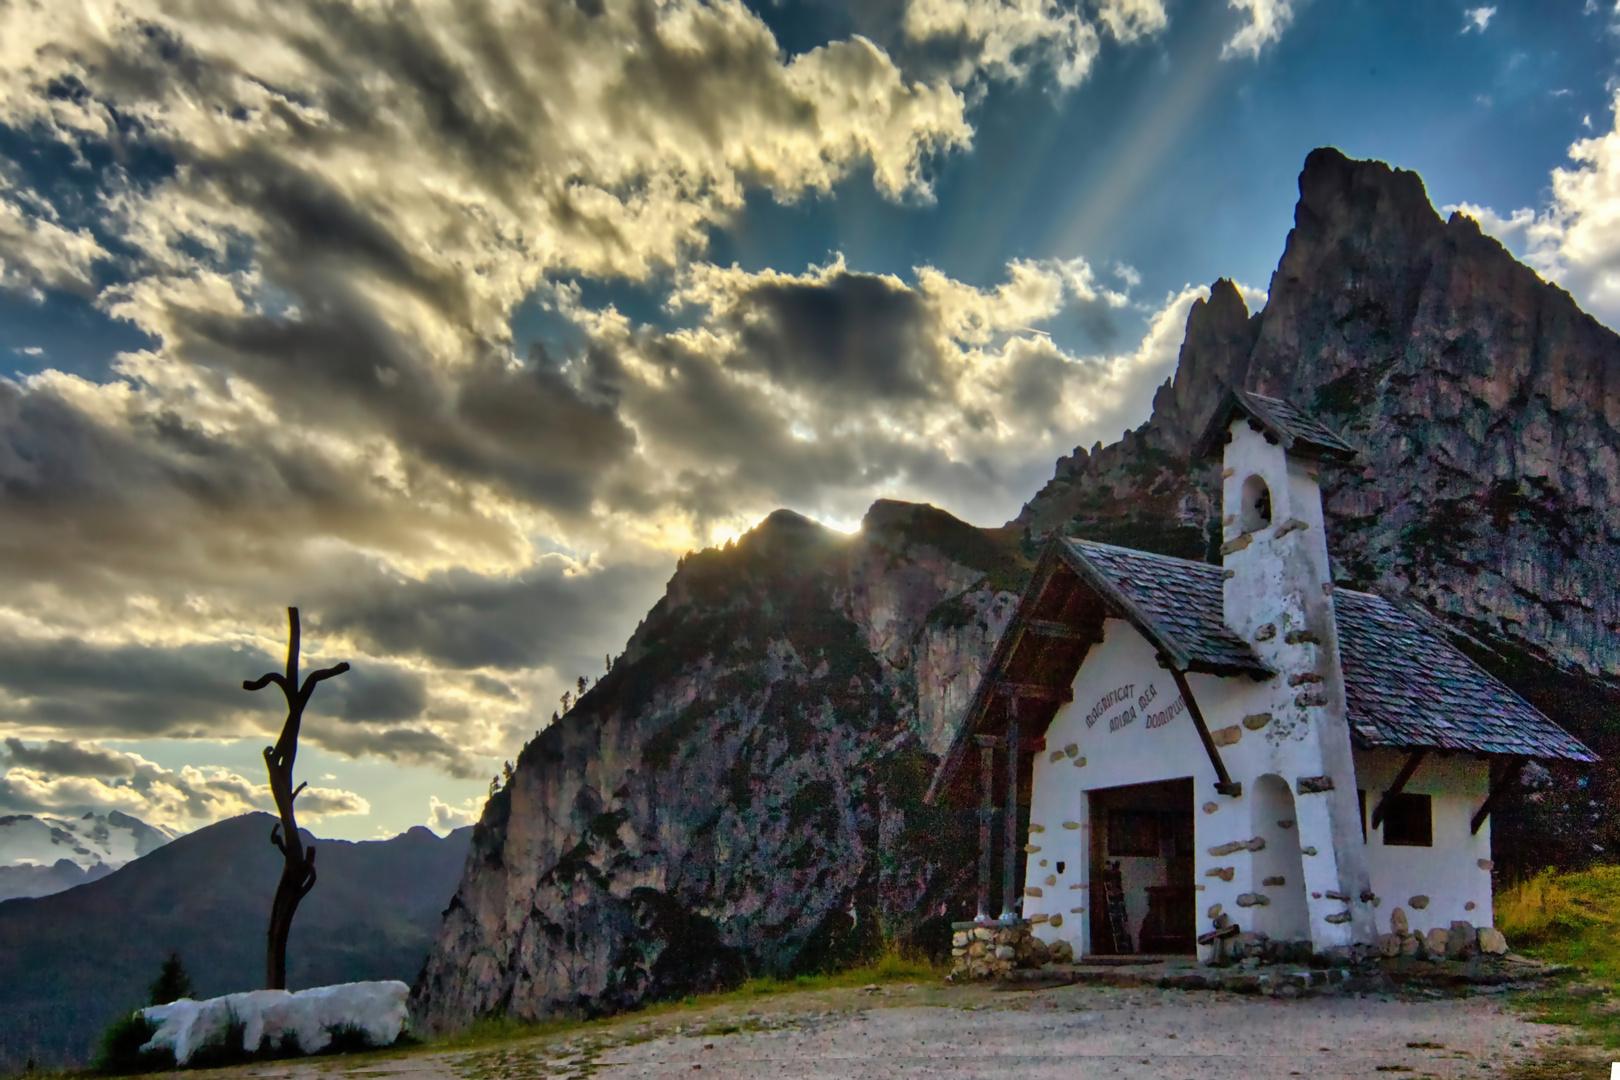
x: 901, y: 1032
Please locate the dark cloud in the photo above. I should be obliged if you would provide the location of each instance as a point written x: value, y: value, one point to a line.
x: 130, y: 691
x: 1099, y: 322
x: 853, y: 335
x: 408, y: 746
x: 67, y: 759
x: 466, y: 620
x: 139, y: 691
x: 373, y: 690
x: 524, y: 427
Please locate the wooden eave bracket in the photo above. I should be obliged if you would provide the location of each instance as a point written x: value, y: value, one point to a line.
x: 1051, y: 628
x: 1413, y: 760
x: 1224, y: 784
x: 1510, y: 773
x: 1036, y: 691
x: 1042, y: 578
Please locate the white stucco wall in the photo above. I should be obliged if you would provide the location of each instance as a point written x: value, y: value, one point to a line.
x: 1455, y: 872
x: 1133, y: 753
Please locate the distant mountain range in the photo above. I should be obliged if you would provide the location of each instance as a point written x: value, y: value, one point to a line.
x: 72, y: 962
x: 44, y: 855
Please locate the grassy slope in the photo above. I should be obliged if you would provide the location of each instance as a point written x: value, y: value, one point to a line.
x: 1571, y: 918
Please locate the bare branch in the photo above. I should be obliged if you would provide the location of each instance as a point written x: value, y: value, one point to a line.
x: 265, y: 680
x: 317, y: 677
x: 296, y: 790
x: 275, y: 838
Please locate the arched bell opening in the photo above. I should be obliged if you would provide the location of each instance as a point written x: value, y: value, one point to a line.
x: 1256, y: 510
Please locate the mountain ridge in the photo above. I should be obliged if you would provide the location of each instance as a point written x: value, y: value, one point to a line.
x: 72, y: 962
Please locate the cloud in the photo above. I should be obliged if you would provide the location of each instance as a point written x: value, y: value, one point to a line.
x: 324, y: 216
x: 69, y: 759
x: 73, y: 778
x: 444, y: 817
x: 29, y: 350
x: 537, y: 618
x: 1477, y: 19
x: 403, y: 745
x: 1575, y: 239
x: 1267, y: 19
x: 824, y: 389
x: 1128, y: 20
x: 1008, y: 39
x: 36, y: 250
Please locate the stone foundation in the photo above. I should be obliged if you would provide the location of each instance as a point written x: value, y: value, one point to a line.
x: 994, y: 950
x: 1459, y: 942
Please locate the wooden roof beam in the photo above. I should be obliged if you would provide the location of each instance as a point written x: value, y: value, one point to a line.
x: 1038, y: 691
x: 1413, y: 760
x: 1504, y: 781
x: 1050, y: 628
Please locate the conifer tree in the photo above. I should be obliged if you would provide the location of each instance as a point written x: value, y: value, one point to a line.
x: 172, y: 982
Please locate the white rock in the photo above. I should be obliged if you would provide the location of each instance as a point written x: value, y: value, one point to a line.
x: 377, y: 1008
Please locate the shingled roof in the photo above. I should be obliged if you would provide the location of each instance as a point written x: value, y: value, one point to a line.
x: 1404, y: 686
x: 1180, y: 612
x: 1299, y: 434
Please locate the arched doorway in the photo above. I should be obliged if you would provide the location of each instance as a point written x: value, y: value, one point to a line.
x: 1279, y: 869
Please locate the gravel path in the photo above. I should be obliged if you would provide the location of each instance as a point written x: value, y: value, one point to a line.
x: 958, y: 1034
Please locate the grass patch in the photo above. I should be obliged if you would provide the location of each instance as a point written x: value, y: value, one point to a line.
x: 1569, y: 918
x: 889, y: 968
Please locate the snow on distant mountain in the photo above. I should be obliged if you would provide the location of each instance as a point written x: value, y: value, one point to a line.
x: 44, y: 855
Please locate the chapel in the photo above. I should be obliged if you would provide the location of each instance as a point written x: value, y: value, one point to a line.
x: 1180, y: 752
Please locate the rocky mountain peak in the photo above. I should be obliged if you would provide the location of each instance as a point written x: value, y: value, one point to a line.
x: 1214, y: 358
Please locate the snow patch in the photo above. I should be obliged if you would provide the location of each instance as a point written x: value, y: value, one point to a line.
x: 109, y: 840
x: 377, y: 1008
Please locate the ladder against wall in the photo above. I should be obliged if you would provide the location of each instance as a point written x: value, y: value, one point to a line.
x: 1114, y: 902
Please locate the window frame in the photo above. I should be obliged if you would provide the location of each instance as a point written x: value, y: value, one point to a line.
x: 1411, y: 826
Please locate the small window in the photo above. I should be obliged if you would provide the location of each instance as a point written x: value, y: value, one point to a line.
x: 1256, y: 511
x: 1133, y: 833
x: 1060, y: 866
x: 1408, y: 821
x: 1361, y: 802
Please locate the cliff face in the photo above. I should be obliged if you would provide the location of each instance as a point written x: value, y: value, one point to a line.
x: 741, y: 793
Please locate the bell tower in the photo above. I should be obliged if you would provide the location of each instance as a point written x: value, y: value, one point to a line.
x: 1278, y: 597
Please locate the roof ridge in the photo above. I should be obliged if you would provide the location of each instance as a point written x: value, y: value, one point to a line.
x: 1147, y: 554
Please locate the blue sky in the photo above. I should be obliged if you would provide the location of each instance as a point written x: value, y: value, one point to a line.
x: 458, y: 339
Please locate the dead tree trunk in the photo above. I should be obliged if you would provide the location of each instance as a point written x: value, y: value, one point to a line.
x: 298, y: 861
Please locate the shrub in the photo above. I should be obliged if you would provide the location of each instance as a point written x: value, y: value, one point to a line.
x: 348, y: 1038
x: 225, y: 1051
x: 121, y: 1052
x: 284, y: 1045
